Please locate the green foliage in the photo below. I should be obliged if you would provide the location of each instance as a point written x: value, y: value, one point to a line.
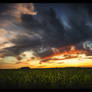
x: 46, y: 78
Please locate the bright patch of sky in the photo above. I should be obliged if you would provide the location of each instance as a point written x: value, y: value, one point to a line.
x: 10, y: 59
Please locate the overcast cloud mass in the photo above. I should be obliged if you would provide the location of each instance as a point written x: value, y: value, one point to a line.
x: 41, y: 27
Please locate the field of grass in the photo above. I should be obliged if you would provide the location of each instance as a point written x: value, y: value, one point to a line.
x: 46, y: 78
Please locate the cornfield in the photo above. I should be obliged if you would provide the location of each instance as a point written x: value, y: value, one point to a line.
x: 57, y: 78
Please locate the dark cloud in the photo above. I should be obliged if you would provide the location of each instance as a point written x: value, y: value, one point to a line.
x: 44, y: 26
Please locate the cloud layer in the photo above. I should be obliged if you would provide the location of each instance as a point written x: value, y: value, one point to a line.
x: 43, y: 27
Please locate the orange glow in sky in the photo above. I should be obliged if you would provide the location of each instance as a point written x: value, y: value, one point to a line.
x: 71, y: 58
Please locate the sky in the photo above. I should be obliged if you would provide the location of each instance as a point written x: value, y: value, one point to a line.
x: 30, y: 32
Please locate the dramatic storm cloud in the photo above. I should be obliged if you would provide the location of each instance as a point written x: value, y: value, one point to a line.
x: 41, y: 28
